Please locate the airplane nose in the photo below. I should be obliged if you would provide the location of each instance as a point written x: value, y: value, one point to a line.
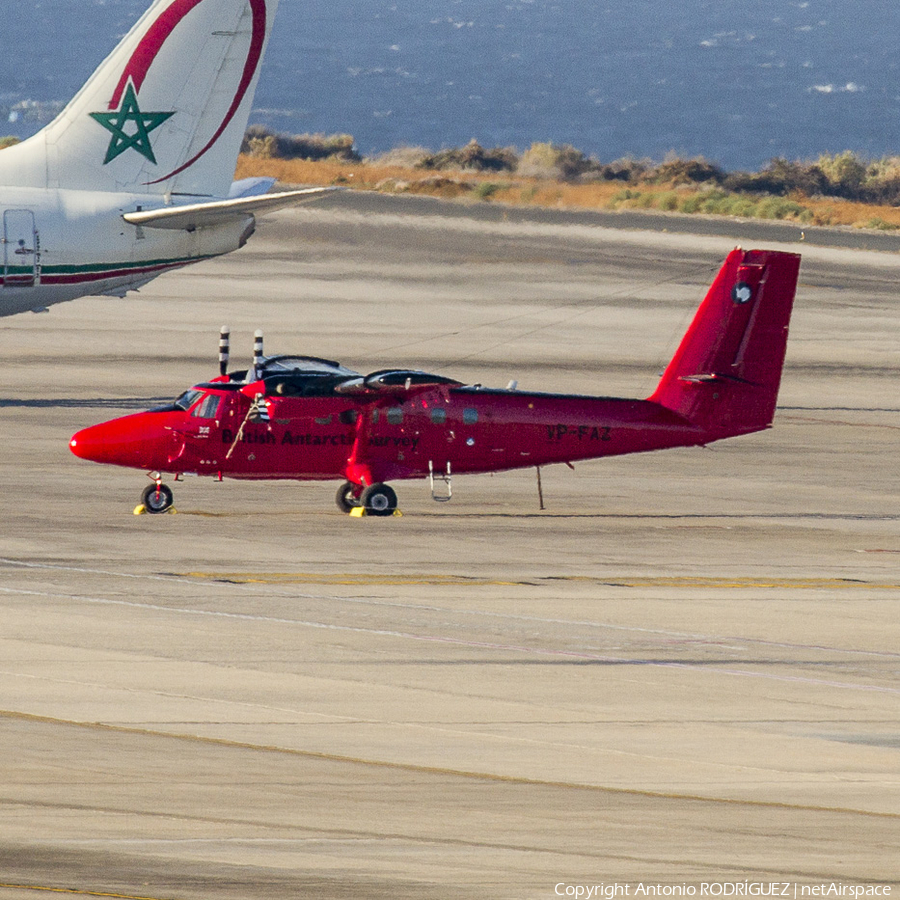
x: 122, y: 442
x: 91, y: 443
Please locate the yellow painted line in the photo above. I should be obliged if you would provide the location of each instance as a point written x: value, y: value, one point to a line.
x: 663, y: 581
x: 83, y: 893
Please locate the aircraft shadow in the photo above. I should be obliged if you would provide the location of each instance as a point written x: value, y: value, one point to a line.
x: 90, y: 403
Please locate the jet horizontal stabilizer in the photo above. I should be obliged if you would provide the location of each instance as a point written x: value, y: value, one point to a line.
x: 219, y: 212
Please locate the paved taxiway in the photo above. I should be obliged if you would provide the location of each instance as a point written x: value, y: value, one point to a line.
x: 685, y: 670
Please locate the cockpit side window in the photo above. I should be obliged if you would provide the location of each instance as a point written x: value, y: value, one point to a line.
x: 207, y: 407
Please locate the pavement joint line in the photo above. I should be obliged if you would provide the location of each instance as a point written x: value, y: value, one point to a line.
x: 344, y: 579
x: 446, y: 771
x: 460, y: 642
x: 79, y: 891
x: 686, y: 581
x: 608, y: 626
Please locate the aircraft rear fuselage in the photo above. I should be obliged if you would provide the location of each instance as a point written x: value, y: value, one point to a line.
x: 135, y: 176
x: 62, y: 244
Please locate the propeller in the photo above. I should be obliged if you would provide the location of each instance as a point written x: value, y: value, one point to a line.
x: 224, y: 349
x: 254, y: 370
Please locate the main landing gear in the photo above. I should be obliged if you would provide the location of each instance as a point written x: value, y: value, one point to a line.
x: 375, y: 500
x: 347, y: 497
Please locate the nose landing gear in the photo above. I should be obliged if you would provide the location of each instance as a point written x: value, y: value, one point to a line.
x: 156, y: 498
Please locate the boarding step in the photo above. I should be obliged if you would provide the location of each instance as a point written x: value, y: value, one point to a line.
x: 440, y: 479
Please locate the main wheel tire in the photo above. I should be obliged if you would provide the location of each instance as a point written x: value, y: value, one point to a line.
x: 347, y: 497
x: 157, y: 499
x: 378, y: 500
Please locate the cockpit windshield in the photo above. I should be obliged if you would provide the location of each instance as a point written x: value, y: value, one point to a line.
x: 188, y: 399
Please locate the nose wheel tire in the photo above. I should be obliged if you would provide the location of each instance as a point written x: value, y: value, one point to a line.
x: 157, y: 498
x: 378, y: 500
x: 347, y: 497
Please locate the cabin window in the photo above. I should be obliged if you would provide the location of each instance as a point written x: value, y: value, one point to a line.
x: 348, y: 417
x: 395, y: 415
x: 470, y: 416
x: 439, y: 416
x: 207, y: 407
x: 323, y: 420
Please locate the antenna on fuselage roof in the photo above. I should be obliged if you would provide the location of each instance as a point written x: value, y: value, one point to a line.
x: 224, y: 349
x: 256, y: 368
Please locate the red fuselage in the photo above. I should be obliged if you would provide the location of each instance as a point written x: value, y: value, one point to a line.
x: 474, y: 429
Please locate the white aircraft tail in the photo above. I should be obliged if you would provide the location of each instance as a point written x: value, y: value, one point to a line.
x: 165, y: 113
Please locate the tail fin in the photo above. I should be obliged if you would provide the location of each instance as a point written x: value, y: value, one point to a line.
x: 725, y: 375
x: 165, y: 113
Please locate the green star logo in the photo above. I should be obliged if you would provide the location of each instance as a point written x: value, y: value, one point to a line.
x: 138, y: 136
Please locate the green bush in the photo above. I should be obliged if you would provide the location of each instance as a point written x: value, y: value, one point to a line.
x: 8, y: 141
x: 628, y: 198
x: 880, y: 225
x: 668, y: 202
x: 486, y: 189
x: 744, y: 207
x: 776, y: 208
x: 691, y: 205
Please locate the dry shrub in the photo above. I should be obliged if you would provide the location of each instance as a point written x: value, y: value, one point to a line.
x: 401, y: 157
x: 472, y: 158
x: 845, y: 172
x: 260, y: 142
x: 627, y: 169
x: 685, y: 171
x: 560, y: 162
x: 780, y: 178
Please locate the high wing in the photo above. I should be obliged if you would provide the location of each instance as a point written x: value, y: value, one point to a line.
x: 220, y: 212
x: 394, y: 382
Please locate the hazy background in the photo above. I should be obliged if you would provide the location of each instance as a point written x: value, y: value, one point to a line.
x: 734, y: 80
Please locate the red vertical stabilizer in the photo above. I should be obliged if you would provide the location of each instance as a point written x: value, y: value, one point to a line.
x: 725, y: 375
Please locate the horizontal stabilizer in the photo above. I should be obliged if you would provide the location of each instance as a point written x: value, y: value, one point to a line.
x: 251, y: 187
x: 219, y: 212
x: 711, y: 376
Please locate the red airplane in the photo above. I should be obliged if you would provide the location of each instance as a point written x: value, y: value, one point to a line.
x: 305, y: 418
